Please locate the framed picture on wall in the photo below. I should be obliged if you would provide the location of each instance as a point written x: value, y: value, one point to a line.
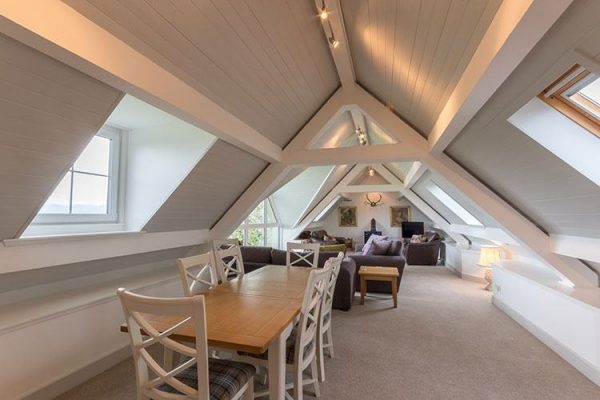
x: 347, y: 216
x: 398, y: 215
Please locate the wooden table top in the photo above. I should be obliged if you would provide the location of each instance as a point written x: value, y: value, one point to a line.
x: 378, y: 271
x: 247, y: 313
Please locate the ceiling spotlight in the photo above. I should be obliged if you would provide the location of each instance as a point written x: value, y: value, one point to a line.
x: 323, y: 13
x: 333, y: 42
x: 371, y: 171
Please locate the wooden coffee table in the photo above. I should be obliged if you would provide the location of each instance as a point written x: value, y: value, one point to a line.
x: 385, y: 274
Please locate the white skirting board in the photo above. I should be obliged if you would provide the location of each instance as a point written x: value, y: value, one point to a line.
x: 583, y: 366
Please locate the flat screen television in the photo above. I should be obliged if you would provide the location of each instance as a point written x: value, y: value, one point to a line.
x: 412, y: 228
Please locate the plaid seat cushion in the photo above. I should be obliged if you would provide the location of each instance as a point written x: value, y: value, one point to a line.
x: 225, y: 378
x: 290, y: 349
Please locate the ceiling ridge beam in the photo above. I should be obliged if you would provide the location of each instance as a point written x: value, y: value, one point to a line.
x: 54, y: 28
x: 334, y: 25
x: 352, y: 154
x: 516, y: 28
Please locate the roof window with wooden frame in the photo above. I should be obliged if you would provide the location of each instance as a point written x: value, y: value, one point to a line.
x: 576, y: 94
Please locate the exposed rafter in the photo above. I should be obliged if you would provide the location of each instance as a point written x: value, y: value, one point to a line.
x: 352, y: 154
x: 516, y: 28
x: 414, y: 174
x: 76, y: 41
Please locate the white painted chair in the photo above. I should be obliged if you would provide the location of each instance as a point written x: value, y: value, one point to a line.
x: 298, y: 252
x: 191, y: 379
x: 229, y: 258
x: 198, y: 273
x: 324, y: 334
x: 301, y: 346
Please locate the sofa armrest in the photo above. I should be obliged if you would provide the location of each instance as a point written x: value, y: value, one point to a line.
x: 359, y: 248
x: 345, y: 285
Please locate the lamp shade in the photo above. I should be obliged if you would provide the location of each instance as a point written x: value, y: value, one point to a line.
x: 488, y: 255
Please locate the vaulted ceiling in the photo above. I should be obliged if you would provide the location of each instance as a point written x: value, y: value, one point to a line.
x: 266, y: 62
x: 410, y: 54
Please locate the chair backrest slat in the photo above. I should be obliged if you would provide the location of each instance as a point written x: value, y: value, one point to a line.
x: 198, y: 273
x: 186, y: 312
x: 309, y: 316
x: 299, y: 252
x: 335, y: 265
x: 229, y: 258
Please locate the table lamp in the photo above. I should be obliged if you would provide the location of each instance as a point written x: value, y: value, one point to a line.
x: 488, y: 256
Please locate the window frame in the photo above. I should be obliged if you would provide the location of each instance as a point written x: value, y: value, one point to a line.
x: 245, y: 227
x: 114, y: 173
x: 557, y: 95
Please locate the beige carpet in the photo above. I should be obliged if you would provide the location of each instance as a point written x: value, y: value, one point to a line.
x: 444, y: 341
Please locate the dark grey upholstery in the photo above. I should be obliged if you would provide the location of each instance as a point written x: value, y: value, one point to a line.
x: 225, y: 378
x: 346, y: 283
x: 426, y: 253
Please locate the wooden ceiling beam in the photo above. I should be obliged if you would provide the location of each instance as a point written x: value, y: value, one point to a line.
x: 514, y: 31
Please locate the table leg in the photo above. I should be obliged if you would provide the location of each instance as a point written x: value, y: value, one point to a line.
x: 395, y: 291
x: 363, y: 289
x: 277, y: 366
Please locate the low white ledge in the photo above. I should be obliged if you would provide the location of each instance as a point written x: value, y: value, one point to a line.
x: 565, y: 319
x: 33, y: 253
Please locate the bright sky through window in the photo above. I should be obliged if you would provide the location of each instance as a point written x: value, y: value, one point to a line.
x: 84, y: 189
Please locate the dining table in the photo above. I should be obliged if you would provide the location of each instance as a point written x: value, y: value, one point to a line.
x: 252, y: 313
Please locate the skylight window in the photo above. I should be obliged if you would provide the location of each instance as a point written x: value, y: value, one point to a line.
x: 456, y: 208
x: 576, y: 94
x: 89, y: 190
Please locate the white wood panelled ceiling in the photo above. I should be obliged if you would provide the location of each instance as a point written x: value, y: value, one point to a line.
x: 214, y: 184
x: 49, y: 113
x: 410, y: 54
x: 264, y: 61
x: 545, y: 189
x: 342, y: 133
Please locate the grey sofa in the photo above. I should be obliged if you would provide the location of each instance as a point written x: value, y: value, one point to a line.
x: 256, y: 257
x: 426, y: 253
x: 395, y: 259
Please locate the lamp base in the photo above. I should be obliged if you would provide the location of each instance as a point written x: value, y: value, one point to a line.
x: 488, y: 278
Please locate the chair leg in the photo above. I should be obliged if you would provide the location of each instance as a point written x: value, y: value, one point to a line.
x: 314, y: 374
x: 249, y: 393
x: 298, y: 389
x: 330, y: 342
x: 320, y: 357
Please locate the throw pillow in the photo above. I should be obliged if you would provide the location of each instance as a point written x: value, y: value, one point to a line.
x: 418, y: 239
x: 380, y: 247
x: 372, y: 238
x: 395, y: 248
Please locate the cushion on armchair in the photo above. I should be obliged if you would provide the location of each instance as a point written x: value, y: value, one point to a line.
x: 379, y: 247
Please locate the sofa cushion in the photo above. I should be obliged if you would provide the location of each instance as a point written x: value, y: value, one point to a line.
x: 379, y: 247
x: 371, y: 239
x: 278, y: 256
x: 257, y: 254
x: 395, y: 248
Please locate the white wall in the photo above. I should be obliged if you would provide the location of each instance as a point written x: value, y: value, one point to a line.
x: 364, y: 212
x: 158, y: 160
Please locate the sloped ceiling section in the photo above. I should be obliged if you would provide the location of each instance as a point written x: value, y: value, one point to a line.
x: 208, y: 191
x: 410, y: 54
x: 49, y: 113
x: 264, y: 61
x: 544, y: 188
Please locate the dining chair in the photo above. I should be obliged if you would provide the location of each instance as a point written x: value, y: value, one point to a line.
x: 198, y: 273
x: 229, y: 258
x: 198, y: 377
x: 324, y: 334
x: 301, y: 346
x: 298, y: 252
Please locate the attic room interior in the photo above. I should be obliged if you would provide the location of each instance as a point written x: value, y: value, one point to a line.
x: 297, y: 199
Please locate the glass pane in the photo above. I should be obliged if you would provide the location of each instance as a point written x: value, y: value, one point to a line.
x: 257, y: 216
x: 255, y: 237
x: 238, y: 234
x: 273, y: 237
x: 90, y: 194
x: 58, y: 202
x: 95, y: 157
x: 592, y: 91
x: 270, y: 214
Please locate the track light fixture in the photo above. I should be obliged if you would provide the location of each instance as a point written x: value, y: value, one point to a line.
x: 324, y: 13
x: 371, y: 171
x: 333, y: 42
x: 362, y: 136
